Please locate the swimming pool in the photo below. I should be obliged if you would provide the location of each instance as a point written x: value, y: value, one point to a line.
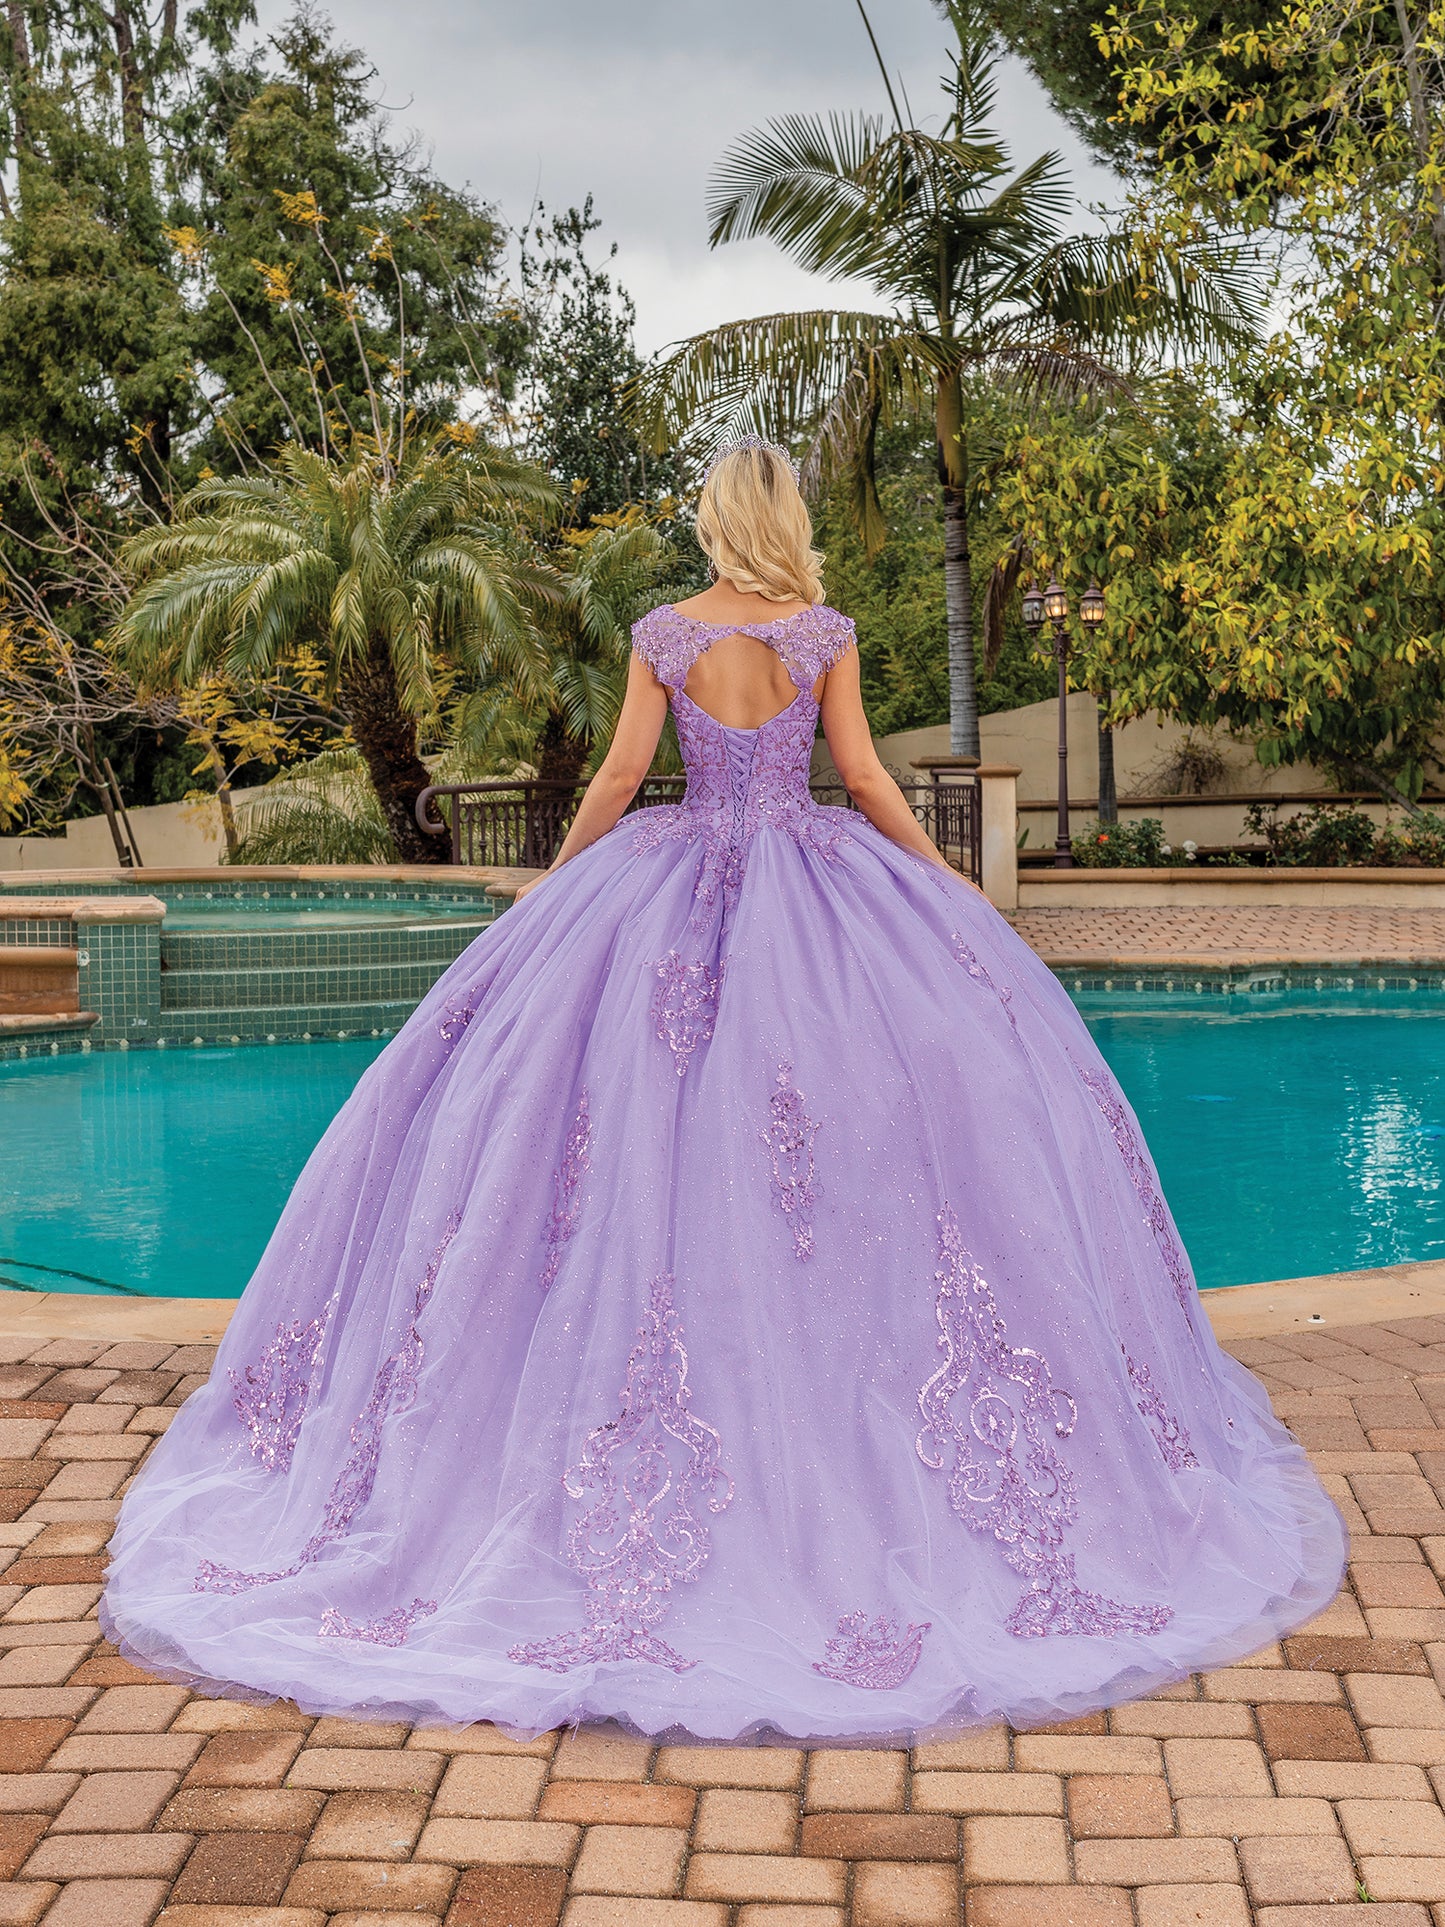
x: 1294, y: 1134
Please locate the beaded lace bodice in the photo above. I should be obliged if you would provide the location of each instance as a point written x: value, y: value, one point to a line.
x: 740, y: 779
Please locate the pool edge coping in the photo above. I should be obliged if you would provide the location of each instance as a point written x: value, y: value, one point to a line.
x: 1373, y: 1296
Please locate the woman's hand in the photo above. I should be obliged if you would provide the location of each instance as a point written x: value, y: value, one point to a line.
x: 530, y: 884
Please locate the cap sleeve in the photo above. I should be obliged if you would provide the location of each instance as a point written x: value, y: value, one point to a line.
x: 816, y: 641
x: 667, y: 643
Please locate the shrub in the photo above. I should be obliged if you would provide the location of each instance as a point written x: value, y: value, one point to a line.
x: 1125, y: 846
x: 1332, y: 834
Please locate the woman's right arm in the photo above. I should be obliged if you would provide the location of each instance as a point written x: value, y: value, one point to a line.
x: 620, y: 774
x: 850, y: 743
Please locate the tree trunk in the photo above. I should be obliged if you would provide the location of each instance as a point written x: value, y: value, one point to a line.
x: 386, y: 736
x: 957, y: 572
x: 94, y: 779
x: 1108, y: 794
x: 560, y: 755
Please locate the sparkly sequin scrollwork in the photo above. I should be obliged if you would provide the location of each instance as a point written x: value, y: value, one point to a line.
x: 392, y: 1391
x: 979, y: 973
x: 684, y: 1006
x: 656, y: 1470
x: 567, y: 1190
x: 273, y: 1395
x: 873, y: 1654
x: 1156, y: 1212
x: 1170, y: 1434
x: 789, y: 1134
x: 393, y: 1630
x: 991, y: 1413
x: 455, y: 1019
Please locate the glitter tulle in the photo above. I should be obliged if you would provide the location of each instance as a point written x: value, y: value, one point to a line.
x: 739, y: 1304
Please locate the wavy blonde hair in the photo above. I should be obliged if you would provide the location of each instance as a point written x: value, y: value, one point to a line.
x: 754, y: 527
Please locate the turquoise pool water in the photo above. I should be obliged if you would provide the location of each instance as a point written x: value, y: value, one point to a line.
x: 1302, y: 1135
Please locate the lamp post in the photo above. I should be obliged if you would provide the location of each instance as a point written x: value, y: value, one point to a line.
x: 1052, y: 605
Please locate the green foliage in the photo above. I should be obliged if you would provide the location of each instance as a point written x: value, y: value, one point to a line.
x: 322, y: 811
x: 320, y: 260
x: 897, y: 596
x: 1307, y: 603
x: 1125, y: 846
x: 1329, y: 834
x: 580, y: 362
x: 396, y: 577
x: 1059, y: 40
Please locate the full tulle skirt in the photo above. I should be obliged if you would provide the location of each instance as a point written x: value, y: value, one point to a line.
x: 738, y: 1304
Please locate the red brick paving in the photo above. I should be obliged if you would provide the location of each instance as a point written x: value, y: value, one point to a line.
x: 1301, y: 1788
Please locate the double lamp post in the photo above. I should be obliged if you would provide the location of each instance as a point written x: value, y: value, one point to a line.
x: 1052, y: 605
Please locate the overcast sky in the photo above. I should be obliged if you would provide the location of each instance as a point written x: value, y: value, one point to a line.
x: 635, y: 100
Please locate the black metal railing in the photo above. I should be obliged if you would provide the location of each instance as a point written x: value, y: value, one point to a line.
x: 521, y: 824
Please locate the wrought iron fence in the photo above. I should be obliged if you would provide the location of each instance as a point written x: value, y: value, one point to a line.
x: 522, y: 823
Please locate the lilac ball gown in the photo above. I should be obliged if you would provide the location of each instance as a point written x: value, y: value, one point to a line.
x: 739, y: 1303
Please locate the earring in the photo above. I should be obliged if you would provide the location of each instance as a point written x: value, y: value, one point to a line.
x: 711, y: 570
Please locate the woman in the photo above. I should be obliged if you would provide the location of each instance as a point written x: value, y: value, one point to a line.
x: 738, y: 1303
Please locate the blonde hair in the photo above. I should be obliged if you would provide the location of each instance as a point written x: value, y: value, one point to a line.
x: 754, y: 527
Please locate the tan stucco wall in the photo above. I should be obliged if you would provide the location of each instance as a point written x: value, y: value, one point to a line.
x: 170, y: 835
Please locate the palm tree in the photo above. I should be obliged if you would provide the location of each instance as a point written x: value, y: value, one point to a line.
x: 390, y: 573
x: 979, y: 285
x: 607, y: 572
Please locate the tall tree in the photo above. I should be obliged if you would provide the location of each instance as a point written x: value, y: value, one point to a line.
x: 980, y: 286
x: 580, y: 363
x: 329, y: 272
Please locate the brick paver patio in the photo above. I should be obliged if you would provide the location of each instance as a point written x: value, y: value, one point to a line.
x: 1282, y: 1791
x: 1215, y: 935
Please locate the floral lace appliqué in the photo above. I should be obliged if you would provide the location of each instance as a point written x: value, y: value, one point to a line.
x: 1170, y: 1434
x: 567, y: 1191
x: 1156, y: 1213
x: 990, y: 1415
x: 873, y: 1654
x: 391, y: 1631
x: 684, y: 1006
x: 392, y: 1391
x: 789, y: 1134
x: 273, y: 1395
x: 979, y: 973
x: 656, y: 1470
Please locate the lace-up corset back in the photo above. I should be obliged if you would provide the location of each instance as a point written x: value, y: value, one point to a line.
x: 738, y: 779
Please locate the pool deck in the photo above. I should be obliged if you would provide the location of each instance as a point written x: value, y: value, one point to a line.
x: 1239, y: 937
x: 1271, y: 1792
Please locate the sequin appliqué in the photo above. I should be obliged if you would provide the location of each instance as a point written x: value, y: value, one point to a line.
x: 392, y: 1391
x: 789, y: 1134
x: 1170, y: 1435
x: 272, y: 1396
x: 455, y: 1019
x: 991, y: 1412
x: 567, y: 1191
x: 684, y: 1006
x: 874, y: 1654
x: 979, y: 973
x: 1136, y: 1163
x: 393, y: 1630
x: 656, y: 1470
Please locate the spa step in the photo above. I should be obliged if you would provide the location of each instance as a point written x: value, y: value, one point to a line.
x: 327, y: 984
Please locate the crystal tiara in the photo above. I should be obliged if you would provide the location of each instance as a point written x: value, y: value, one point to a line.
x: 752, y: 441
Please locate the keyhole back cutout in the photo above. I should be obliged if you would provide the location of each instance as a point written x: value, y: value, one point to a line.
x: 741, y: 682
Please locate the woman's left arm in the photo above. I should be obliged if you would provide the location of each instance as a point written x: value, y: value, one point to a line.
x: 628, y: 759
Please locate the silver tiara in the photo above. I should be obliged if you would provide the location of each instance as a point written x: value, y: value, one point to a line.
x: 753, y: 441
